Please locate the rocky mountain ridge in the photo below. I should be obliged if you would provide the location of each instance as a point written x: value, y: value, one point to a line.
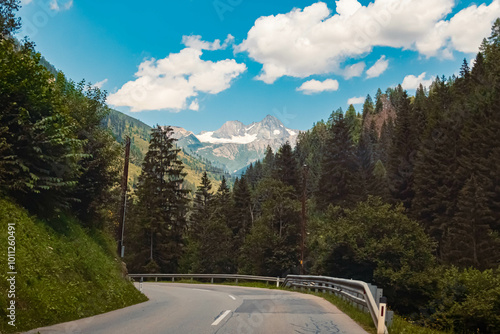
x: 235, y: 145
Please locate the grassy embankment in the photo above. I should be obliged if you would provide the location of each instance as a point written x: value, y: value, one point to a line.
x: 63, y: 272
x: 399, y: 325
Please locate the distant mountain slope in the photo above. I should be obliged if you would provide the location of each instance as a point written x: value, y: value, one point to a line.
x: 122, y: 125
x: 236, y: 145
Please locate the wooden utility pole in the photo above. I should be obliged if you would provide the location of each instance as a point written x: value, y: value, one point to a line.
x: 123, y: 202
x: 304, y: 221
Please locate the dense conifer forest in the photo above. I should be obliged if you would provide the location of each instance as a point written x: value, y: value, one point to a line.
x: 404, y: 193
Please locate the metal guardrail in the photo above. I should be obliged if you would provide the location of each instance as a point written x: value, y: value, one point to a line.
x: 358, y: 292
x: 366, y: 296
x: 266, y: 279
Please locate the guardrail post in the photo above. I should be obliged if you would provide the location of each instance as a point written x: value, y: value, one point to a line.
x: 389, y: 317
x: 381, y: 316
x: 156, y: 278
x: 278, y: 282
x: 212, y: 280
x: 378, y: 295
x: 236, y: 281
x: 173, y: 279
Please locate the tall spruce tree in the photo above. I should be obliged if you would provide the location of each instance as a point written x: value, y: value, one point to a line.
x: 403, y: 150
x: 200, y: 212
x: 368, y: 107
x: 286, y: 166
x: 472, y: 241
x: 243, y: 211
x: 162, y: 203
x: 354, y: 122
x: 339, y: 180
x: 379, y: 104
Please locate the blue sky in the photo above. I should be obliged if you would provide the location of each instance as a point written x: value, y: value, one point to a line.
x: 297, y: 60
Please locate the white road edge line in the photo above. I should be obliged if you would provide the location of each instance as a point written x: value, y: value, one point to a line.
x: 202, y: 290
x: 219, y: 319
x: 232, y: 297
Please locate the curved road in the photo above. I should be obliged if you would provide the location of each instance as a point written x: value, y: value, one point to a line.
x: 199, y: 309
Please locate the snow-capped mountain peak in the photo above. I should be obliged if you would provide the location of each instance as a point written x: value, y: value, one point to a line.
x: 235, y: 132
x: 235, y: 144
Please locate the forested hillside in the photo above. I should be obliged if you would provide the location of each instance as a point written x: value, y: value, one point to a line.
x: 122, y: 125
x: 59, y: 172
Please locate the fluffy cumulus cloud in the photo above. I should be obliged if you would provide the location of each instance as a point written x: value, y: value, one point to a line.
x: 376, y: 70
x: 413, y: 82
x: 315, y: 86
x: 172, y: 82
x: 312, y: 40
x: 356, y: 100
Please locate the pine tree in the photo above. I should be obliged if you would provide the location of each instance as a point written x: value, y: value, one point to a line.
x: 286, y: 166
x: 201, y: 208
x: 162, y: 203
x: 366, y: 166
x: 380, y: 185
x: 215, y: 244
x: 243, y: 211
x: 403, y: 150
x: 354, y: 123
x: 368, y: 107
x: 268, y: 163
x: 379, y: 104
x: 473, y: 242
x: 339, y: 180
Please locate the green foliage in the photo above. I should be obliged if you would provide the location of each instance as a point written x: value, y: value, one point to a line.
x: 468, y: 302
x: 376, y: 243
x: 271, y: 248
x: 43, y: 150
x: 339, y: 180
x: 63, y: 274
x: 9, y: 24
x: 159, y: 215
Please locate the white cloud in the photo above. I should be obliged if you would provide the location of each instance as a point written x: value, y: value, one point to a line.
x: 195, y: 42
x: 194, y: 105
x: 356, y: 100
x: 100, y: 84
x: 347, y: 7
x: 376, y: 70
x: 413, y: 82
x: 315, y: 86
x: 311, y: 40
x: 168, y: 83
x: 57, y: 6
x: 354, y: 70
x: 26, y: 2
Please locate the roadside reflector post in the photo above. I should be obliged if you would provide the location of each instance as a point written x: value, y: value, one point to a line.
x: 278, y: 282
x: 140, y: 284
x: 381, y: 315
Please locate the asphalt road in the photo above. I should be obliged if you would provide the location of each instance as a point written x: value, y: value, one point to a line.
x: 202, y: 309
